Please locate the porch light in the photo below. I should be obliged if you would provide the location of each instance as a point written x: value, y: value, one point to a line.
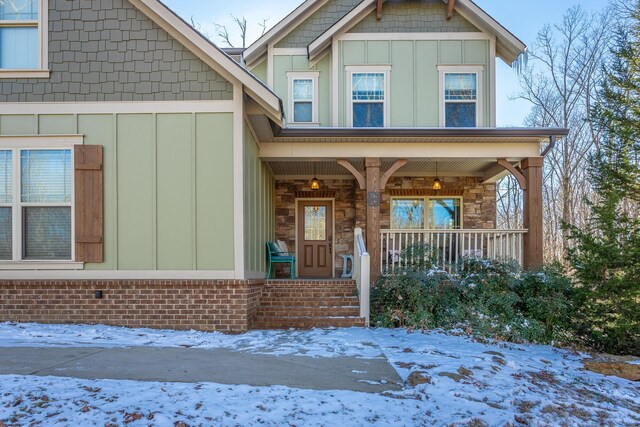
x: 437, y: 185
x: 315, y: 184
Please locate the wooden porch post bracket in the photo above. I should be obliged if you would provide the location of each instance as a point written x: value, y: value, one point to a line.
x: 384, y: 178
x: 515, y: 172
x: 362, y: 182
x: 379, y: 10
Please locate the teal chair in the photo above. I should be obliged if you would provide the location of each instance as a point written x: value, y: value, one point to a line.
x: 276, y: 255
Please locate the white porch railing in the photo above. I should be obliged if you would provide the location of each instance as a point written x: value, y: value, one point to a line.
x: 362, y: 274
x: 451, y: 245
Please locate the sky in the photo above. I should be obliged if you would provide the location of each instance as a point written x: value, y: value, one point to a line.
x: 524, y: 18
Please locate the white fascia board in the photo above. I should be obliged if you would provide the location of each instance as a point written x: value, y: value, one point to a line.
x: 281, y: 29
x: 513, y: 46
x: 208, y: 52
x: 344, y: 24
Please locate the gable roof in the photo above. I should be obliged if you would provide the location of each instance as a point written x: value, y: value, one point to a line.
x: 213, y: 56
x: 258, y: 48
x: 508, y: 46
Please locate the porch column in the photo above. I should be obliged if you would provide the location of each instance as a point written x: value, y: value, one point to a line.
x: 372, y: 172
x: 532, y: 211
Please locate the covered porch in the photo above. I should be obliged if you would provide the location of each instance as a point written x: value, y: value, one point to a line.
x: 382, y: 181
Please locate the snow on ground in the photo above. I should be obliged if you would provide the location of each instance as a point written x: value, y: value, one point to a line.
x: 462, y: 382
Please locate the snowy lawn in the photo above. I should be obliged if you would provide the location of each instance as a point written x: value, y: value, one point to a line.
x: 449, y: 380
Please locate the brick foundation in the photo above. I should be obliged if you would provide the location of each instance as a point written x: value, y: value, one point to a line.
x: 207, y: 305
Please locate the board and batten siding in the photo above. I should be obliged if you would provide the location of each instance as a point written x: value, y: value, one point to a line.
x: 259, y: 202
x: 415, y: 95
x: 282, y: 64
x: 168, y: 185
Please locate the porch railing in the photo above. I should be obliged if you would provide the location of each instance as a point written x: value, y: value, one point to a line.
x: 362, y: 274
x: 450, y: 246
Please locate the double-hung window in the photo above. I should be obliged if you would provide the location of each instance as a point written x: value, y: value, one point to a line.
x: 434, y: 213
x: 303, y: 97
x: 23, y: 38
x: 36, y: 199
x: 368, y: 96
x: 461, y: 96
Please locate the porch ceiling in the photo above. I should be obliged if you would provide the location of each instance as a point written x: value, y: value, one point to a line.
x: 307, y: 168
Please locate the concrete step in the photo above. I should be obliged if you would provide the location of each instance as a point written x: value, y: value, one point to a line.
x: 280, y: 322
x: 302, y: 311
x: 310, y: 302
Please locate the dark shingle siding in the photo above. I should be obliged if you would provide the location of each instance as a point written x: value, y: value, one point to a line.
x: 106, y: 50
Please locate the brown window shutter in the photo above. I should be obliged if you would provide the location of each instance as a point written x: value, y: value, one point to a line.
x: 89, y: 192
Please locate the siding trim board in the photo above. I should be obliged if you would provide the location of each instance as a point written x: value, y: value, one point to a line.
x: 77, y: 274
x: 13, y: 108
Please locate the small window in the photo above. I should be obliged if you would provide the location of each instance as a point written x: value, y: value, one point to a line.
x: 36, y: 204
x: 303, y: 97
x: 461, y: 98
x: 368, y: 99
x: 19, y: 34
x: 302, y: 100
x: 433, y: 213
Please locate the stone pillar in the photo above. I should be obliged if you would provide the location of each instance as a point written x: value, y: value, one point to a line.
x: 532, y: 211
x: 372, y: 171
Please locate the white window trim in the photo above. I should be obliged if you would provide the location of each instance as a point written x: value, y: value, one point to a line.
x: 304, y: 75
x: 358, y: 69
x: 426, y: 217
x: 465, y: 69
x: 16, y: 144
x: 43, y: 47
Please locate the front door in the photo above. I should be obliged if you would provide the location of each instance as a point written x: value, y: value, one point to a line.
x: 315, y: 239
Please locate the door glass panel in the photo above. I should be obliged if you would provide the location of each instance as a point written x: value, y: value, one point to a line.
x: 315, y: 223
x: 444, y: 213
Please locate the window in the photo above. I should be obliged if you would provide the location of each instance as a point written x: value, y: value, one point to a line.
x: 303, y: 96
x: 368, y: 96
x: 36, y: 196
x: 439, y: 213
x: 460, y: 97
x: 23, y: 38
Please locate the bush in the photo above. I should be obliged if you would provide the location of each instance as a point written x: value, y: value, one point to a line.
x: 484, y: 298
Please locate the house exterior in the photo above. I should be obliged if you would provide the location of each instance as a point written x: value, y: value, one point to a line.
x: 143, y: 169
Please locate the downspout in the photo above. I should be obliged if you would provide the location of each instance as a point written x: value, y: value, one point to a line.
x: 552, y: 143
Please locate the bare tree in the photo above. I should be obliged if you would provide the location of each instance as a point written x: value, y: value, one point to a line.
x: 223, y: 32
x: 561, y: 81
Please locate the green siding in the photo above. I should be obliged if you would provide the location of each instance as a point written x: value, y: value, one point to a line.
x: 260, y: 71
x: 259, y: 199
x: 285, y: 63
x: 18, y: 125
x: 136, y: 192
x: 414, y: 97
x: 168, y: 185
x: 175, y: 202
x: 214, y: 177
x: 100, y: 130
x: 403, y: 112
x: 426, y: 85
x: 57, y: 124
